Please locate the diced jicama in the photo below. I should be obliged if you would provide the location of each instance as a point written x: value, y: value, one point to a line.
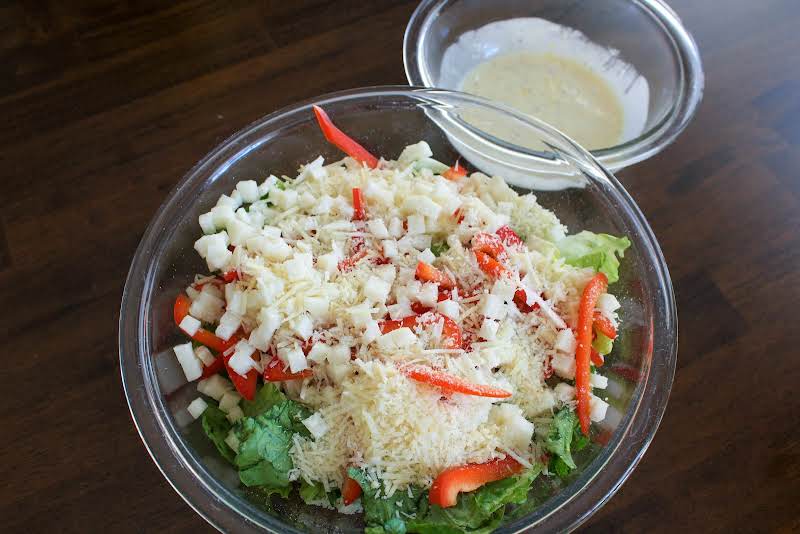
x: 248, y: 189
x: 565, y: 341
x: 229, y: 400
x: 564, y: 365
x: 598, y: 409
x: 206, y: 221
x: 241, y: 362
x: 197, y: 407
x: 316, y: 425
x: 192, y: 367
x: 235, y: 414
x: 190, y: 325
x: 448, y: 308
x: 376, y: 289
x: 204, y: 355
x: 214, y: 386
x: 228, y: 325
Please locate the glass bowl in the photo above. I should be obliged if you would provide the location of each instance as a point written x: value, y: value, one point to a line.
x: 647, y: 34
x: 385, y: 119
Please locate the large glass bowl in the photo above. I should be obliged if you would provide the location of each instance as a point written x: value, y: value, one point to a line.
x: 385, y: 119
x: 647, y: 34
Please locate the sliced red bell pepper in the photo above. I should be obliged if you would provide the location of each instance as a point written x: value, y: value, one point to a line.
x: 202, y: 336
x: 230, y: 276
x: 342, y: 141
x: 392, y: 325
x: 216, y: 366
x: 451, y: 383
x: 275, y: 371
x: 490, y: 266
x: 419, y: 308
x: 489, y: 244
x: 509, y: 237
x: 454, y: 480
x: 604, y: 325
x: 245, y: 385
x: 428, y: 273
x: 455, y: 172
x: 351, y: 491
x: 458, y: 215
x: 597, y: 359
x: 583, y: 388
x: 451, y: 332
x: 521, y: 300
x: 358, y: 205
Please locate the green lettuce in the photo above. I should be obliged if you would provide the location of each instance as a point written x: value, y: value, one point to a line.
x: 265, y: 398
x: 385, y: 516
x: 439, y: 248
x: 476, y: 512
x: 216, y: 426
x: 316, y: 495
x: 564, y: 438
x: 265, y: 439
x: 598, y: 251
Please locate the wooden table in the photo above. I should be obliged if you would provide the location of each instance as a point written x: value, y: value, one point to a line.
x: 105, y: 105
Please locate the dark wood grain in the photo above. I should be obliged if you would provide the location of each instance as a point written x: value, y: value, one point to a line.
x: 105, y: 105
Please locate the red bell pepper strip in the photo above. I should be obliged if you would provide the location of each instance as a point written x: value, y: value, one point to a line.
x: 451, y: 332
x: 216, y: 366
x: 358, y: 205
x: 604, y: 325
x: 351, y: 491
x: 521, y: 300
x: 455, y: 172
x: 490, y: 266
x: 489, y: 244
x: 509, y: 237
x: 428, y: 273
x: 392, y: 325
x: 230, y: 276
x: 275, y: 371
x: 419, y: 308
x: 342, y: 141
x: 454, y: 480
x: 245, y: 385
x: 583, y: 388
x: 451, y: 383
x: 202, y: 336
x: 597, y: 359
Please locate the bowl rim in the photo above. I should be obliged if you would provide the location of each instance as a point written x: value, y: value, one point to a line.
x: 644, y: 146
x: 215, y: 503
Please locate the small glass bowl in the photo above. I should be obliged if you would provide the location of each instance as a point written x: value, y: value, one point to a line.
x: 386, y: 119
x: 647, y: 33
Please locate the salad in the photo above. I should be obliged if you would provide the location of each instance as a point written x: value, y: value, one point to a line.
x: 398, y: 338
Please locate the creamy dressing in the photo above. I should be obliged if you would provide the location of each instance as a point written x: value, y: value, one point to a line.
x: 555, y: 89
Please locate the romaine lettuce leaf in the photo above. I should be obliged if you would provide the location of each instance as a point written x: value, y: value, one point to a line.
x: 598, y: 251
x: 479, y: 511
x: 385, y: 516
x: 564, y: 438
x: 264, y: 440
x: 316, y: 495
x: 268, y: 396
x: 559, y: 440
x: 216, y: 426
